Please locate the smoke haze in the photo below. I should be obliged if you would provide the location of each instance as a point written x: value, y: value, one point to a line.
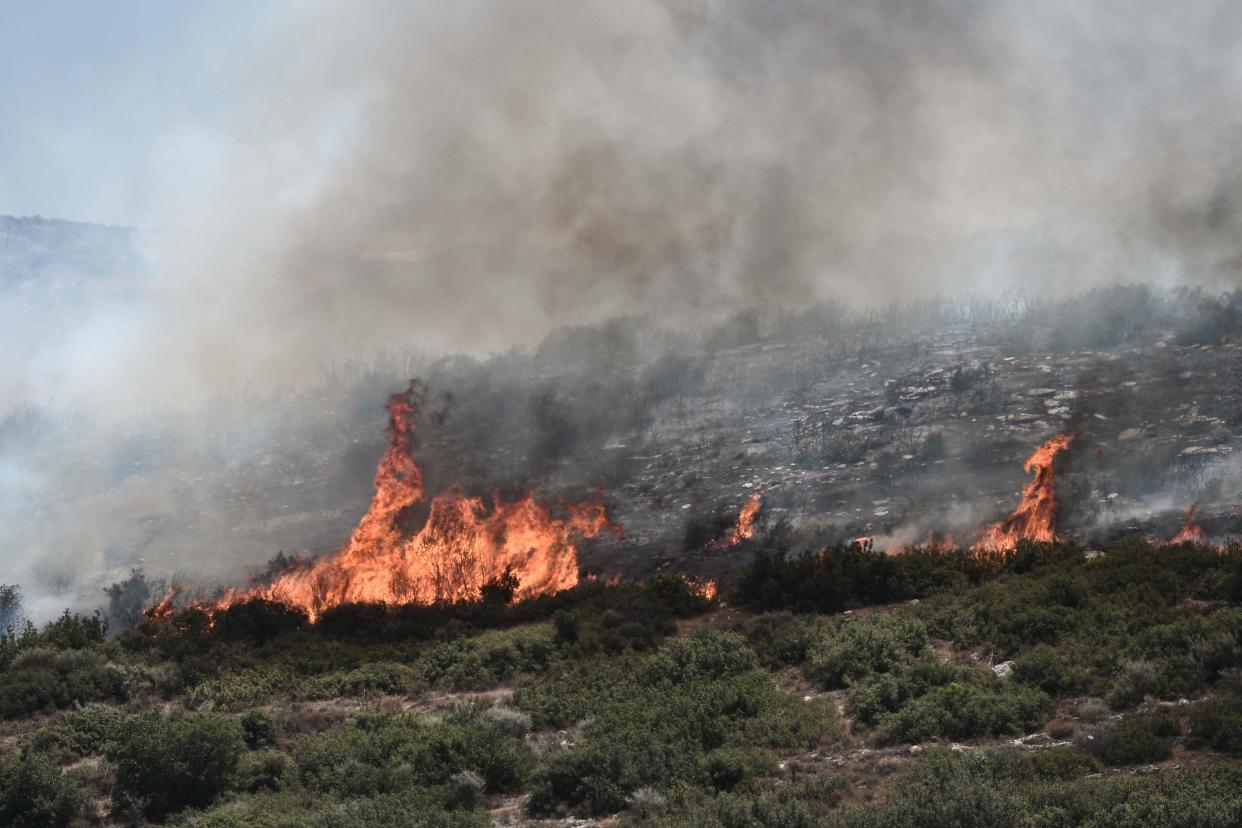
x: 468, y: 179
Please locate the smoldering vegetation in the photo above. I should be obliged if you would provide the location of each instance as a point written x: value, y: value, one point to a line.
x: 893, y: 423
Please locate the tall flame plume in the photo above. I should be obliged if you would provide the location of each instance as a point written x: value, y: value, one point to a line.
x: 462, y: 545
x: 1036, y: 517
x: 744, y: 529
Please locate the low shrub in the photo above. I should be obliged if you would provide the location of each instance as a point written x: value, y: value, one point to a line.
x: 1136, y: 740
x: 258, y: 729
x: 845, y: 652
x: 1062, y: 764
x: 165, y: 764
x: 35, y: 794
x: 1218, y: 723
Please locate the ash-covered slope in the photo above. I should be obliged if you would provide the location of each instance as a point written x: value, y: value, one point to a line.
x: 893, y: 425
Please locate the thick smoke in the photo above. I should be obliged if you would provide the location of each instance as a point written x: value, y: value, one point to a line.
x: 468, y: 179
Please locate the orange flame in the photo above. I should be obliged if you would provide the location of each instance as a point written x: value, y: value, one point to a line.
x: 744, y: 529
x: 1035, y: 518
x: 461, y: 546
x: 1190, y: 532
x: 704, y: 589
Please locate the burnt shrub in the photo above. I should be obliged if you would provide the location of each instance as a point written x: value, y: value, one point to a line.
x: 164, y: 764
x: 704, y: 529
x: 258, y: 620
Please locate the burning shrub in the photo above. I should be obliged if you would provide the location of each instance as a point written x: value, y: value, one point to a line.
x: 166, y: 764
x: 35, y: 794
x: 703, y: 530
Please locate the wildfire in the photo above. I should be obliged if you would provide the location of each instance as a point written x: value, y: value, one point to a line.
x: 704, y: 589
x: 744, y: 529
x: 1035, y: 517
x: 1190, y: 531
x: 461, y: 546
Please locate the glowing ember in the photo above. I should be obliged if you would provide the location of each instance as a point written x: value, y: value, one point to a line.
x: 704, y: 589
x: 1190, y: 532
x: 744, y: 529
x: 461, y: 546
x: 1035, y: 519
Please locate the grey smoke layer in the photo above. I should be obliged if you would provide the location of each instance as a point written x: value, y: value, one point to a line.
x: 467, y: 179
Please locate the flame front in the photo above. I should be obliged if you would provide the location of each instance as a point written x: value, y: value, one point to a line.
x: 1036, y: 517
x: 744, y: 529
x: 1190, y: 531
x: 460, y: 548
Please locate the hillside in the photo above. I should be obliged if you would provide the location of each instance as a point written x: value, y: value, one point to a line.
x: 929, y: 689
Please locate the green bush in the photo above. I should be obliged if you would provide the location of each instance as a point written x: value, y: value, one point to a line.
x: 945, y: 789
x: 1062, y: 764
x: 35, y: 794
x: 382, y: 753
x: 694, y: 712
x: 845, y: 652
x: 264, y: 770
x: 371, y: 678
x: 964, y: 710
x: 258, y: 729
x: 238, y: 691
x: 42, y: 680
x: 1136, y: 740
x: 1218, y: 723
x: 927, y: 700
x: 1056, y: 671
x: 730, y: 768
x: 83, y: 732
x: 257, y: 620
x: 165, y: 764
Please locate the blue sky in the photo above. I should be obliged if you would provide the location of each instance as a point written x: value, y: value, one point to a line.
x: 105, y: 107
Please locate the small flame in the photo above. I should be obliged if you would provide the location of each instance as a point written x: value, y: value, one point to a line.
x: 1035, y: 518
x: 704, y: 589
x: 744, y: 529
x: 1190, y: 531
x: 461, y: 546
